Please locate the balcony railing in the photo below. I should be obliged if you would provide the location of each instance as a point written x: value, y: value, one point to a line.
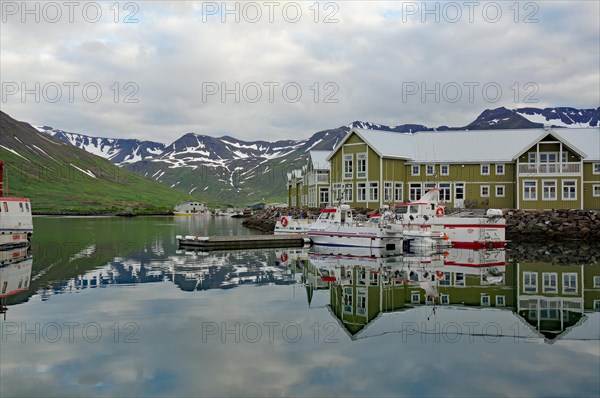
x: 549, y: 168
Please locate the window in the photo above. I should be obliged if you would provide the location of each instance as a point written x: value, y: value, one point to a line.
x: 597, y: 305
x: 485, y: 300
x: 5, y: 205
x: 550, y: 282
x: 500, y: 301
x: 596, y: 190
x: 445, y: 192
x: 500, y: 169
x: 445, y: 170
x: 569, y: 190
x: 459, y: 190
x: 415, y: 170
x: 338, y: 194
x: 348, y: 192
x: 499, y: 191
x: 387, y: 192
x: 27, y: 207
x: 549, y: 190
x: 21, y: 207
x: 485, y: 191
x: 428, y: 186
x: 444, y: 299
x: 446, y: 279
x: 530, y: 282
x: 531, y: 157
x: 596, y: 168
x: 529, y: 190
x: 569, y: 282
x: 361, y: 192
x: 430, y: 169
x: 459, y: 279
x: 414, y: 192
x: 361, y: 165
x: 597, y: 281
x: 373, y: 191
x: 323, y: 195
x: 415, y: 298
x: 485, y: 169
x: 348, y: 166
x: 398, y: 197
x: 348, y: 299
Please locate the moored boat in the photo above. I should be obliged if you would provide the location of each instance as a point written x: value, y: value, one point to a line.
x: 291, y: 225
x: 16, y: 223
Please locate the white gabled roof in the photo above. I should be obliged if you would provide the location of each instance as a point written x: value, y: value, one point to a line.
x: 319, y: 160
x: 474, y: 145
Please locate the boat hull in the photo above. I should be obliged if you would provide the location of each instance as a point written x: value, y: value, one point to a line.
x: 356, y: 237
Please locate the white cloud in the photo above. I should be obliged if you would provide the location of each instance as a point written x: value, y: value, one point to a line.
x: 370, y: 55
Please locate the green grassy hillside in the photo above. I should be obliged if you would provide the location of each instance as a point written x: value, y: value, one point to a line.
x: 58, y: 177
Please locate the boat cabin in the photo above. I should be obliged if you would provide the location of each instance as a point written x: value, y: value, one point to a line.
x: 428, y: 206
x: 339, y: 214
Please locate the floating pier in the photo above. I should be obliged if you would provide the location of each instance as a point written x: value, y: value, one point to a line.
x: 241, y: 242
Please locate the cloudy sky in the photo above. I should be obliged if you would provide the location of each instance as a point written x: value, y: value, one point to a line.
x: 278, y: 70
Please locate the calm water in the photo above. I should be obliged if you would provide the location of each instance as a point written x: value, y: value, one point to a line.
x: 114, y: 309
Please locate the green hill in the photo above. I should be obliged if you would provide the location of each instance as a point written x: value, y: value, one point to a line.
x: 59, y: 177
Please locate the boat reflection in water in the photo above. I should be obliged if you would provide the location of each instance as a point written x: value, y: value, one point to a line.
x: 457, y: 292
x: 15, y: 275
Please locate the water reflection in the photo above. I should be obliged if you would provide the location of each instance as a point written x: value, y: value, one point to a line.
x: 15, y: 274
x: 430, y: 292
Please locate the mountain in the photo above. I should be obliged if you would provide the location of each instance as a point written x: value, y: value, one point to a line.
x: 59, y: 177
x: 118, y: 151
x: 229, y: 170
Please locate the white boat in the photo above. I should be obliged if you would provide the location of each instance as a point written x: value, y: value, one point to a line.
x: 15, y: 276
x: 16, y: 223
x: 336, y: 227
x: 464, y: 231
x: 419, y: 237
x: 291, y: 225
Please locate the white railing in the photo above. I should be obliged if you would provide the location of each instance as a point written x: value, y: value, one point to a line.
x: 322, y: 179
x: 549, y: 168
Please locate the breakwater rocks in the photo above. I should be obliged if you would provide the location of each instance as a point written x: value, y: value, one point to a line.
x: 552, y: 225
x: 521, y: 225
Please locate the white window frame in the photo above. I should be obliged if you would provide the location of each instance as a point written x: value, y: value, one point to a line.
x: 572, y: 277
x: 554, y: 185
x: 501, y: 167
x: 348, y: 192
x: 456, y: 194
x: 485, y: 300
x: 348, y: 165
x: 361, y: 187
x: 373, y: 191
x: 388, y: 191
x: 338, y: 189
x: 322, y: 191
x: 548, y: 287
x: 597, y: 305
x: 503, y: 188
x: 596, y: 281
x: 415, y: 170
x: 573, y: 191
x: 445, y: 191
x: 484, y: 166
x: 413, y: 187
x: 445, y: 169
x: 412, y: 297
x: 444, y: 299
x: 531, y: 197
x: 361, y: 157
x: 596, y: 168
x: 596, y: 190
x: 481, y: 193
x: 530, y: 287
x: 430, y: 169
x: 398, y: 192
x: 500, y: 301
x: 458, y: 282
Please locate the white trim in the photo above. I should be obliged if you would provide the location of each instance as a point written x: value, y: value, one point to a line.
x: 366, y: 159
x: 565, y: 274
x: 366, y: 187
x: 373, y: 184
x: 503, y: 169
x: 427, y: 166
x: 530, y: 274
x: 530, y: 199
x: 356, y: 143
x: 555, y: 190
x: 481, y: 166
x: 481, y: 187
x: 594, y: 164
x: 563, y: 189
x: 412, y: 170
x: 596, y: 280
x: 346, y: 157
x: 594, y: 193
x: 391, y: 198
x: 503, y: 301
x: 503, y: 191
x: 549, y: 288
x: 485, y: 296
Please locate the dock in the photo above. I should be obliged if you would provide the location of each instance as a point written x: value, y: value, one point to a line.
x: 241, y: 242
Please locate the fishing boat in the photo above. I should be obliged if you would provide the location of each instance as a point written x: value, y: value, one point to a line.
x: 335, y: 226
x: 291, y: 225
x: 463, y: 230
x: 16, y: 223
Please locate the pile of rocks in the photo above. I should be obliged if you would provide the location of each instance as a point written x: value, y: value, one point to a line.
x: 264, y: 220
x: 552, y: 225
x: 574, y: 252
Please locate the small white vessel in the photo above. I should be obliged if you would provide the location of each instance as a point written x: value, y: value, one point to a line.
x: 291, y: 225
x: 16, y: 222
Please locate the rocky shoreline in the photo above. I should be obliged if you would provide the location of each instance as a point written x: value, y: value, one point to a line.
x: 521, y: 225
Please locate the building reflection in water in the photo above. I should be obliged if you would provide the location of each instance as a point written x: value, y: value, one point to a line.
x: 544, y: 300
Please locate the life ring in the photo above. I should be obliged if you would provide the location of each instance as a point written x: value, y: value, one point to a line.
x: 284, y: 257
x: 439, y: 274
x: 439, y: 211
x: 284, y: 221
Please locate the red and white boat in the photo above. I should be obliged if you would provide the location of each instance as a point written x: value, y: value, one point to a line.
x: 291, y: 225
x: 16, y: 223
x: 336, y: 227
x: 469, y: 232
x: 15, y: 275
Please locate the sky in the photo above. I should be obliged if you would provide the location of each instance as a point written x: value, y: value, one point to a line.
x: 270, y: 70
